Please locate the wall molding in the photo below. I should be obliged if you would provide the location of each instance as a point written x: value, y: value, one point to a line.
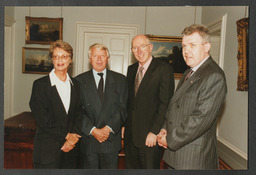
x: 231, y: 155
x: 9, y: 21
x: 9, y: 66
x: 220, y: 25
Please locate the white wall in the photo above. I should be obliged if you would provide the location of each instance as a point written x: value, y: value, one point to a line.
x: 158, y: 21
x: 233, y: 125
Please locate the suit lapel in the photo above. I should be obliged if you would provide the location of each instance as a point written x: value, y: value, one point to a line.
x: 92, y: 88
x: 183, y: 87
x: 132, y: 79
x: 147, y: 77
x: 109, y: 92
x: 72, y: 97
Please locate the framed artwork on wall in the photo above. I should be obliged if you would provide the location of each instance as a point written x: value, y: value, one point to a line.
x: 242, y: 56
x: 36, y: 60
x: 43, y: 30
x: 169, y: 50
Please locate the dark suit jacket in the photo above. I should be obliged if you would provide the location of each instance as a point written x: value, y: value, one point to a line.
x: 111, y: 112
x: 192, y: 117
x: 146, y: 110
x: 53, y: 123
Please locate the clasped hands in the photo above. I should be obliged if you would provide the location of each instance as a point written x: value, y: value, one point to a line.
x: 101, y: 134
x: 160, y: 138
x: 71, y: 140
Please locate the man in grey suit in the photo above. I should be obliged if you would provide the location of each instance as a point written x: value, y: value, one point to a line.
x: 104, y: 97
x: 189, y: 131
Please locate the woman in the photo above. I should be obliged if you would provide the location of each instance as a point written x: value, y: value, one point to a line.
x: 55, y: 104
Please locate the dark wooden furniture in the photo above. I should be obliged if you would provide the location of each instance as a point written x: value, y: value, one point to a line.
x: 19, y: 132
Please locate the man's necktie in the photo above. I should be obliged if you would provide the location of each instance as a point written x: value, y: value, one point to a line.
x: 100, y: 86
x: 138, y: 79
x: 188, y: 75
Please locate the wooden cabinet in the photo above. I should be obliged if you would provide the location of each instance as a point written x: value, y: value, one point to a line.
x: 19, y: 132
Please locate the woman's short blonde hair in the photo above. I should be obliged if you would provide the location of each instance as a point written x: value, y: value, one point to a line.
x: 62, y: 45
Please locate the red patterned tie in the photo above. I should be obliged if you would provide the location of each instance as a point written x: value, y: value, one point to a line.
x: 188, y: 75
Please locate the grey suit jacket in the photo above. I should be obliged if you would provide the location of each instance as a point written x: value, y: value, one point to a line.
x: 111, y: 112
x: 192, y: 117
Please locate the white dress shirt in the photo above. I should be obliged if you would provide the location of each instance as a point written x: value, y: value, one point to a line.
x: 63, y: 88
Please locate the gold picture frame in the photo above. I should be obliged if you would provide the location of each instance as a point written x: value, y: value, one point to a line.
x: 43, y: 30
x: 242, y: 56
x: 36, y: 61
x: 169, y: 50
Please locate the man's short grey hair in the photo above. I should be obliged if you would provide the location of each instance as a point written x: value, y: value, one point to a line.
x: 100, y: 46
x: 200, y: 29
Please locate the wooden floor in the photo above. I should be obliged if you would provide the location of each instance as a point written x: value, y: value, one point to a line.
x: 223, y: 165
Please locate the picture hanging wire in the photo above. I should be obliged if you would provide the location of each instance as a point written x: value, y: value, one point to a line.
x: 246, y: 12
x: 29, y: 14
x: 61, y: 11
x: 195, y: 16
x: 29, y: 11
x: 146, y: 11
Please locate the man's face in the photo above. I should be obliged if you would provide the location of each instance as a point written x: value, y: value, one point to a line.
x: 141, y: 49
x: 194, y: 49
x: 99, y: 59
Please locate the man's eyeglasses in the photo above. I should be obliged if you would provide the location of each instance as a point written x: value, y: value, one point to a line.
x: 135, y: 49
x: 62, y: 57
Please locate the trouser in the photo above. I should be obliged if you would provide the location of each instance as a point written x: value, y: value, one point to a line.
x: 99, y: 161
x: 142, y: 157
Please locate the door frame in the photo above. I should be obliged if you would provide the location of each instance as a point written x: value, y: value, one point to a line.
x: 80, y: 64
x: 9, y: 66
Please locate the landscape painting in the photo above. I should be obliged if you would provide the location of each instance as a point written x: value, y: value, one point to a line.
x: 169, y: 50
x: 36, y: 61
x: 43, y: 30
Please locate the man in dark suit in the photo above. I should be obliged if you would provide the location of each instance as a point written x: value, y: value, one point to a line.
x: 104, y: 98
x: 57, y: 108
x: 150, y: 87
x: 189, y: 132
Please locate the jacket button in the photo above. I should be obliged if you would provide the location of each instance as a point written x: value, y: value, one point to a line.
x: 178, y: 106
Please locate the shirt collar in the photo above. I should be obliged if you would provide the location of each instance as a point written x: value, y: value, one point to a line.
x: 196, y: 67
x: 54, y: 79
x: 146, y: 65
x: 95, y: 72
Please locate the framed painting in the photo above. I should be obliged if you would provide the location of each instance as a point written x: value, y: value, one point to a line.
x: 36, y: 61
x: 242, y: 56
x: 169, y: 50
x: 43, y: 30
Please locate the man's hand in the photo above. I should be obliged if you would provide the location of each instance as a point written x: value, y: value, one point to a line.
x: 67, y: 147
x: 101, y: 134
x: 161, y: 138
x: 150, y: 140
x: 122, y: 132
x: 72, y: 138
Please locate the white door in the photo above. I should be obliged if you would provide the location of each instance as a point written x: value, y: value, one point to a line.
x: 116, y: 37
